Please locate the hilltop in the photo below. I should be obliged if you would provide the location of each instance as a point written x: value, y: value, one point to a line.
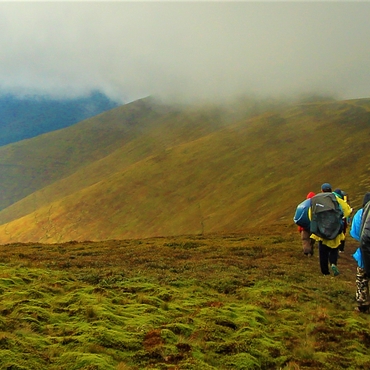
x: 146, y: 169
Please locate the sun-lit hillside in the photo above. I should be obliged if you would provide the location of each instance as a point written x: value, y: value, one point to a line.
x: 33, y: 164
x: 84, y: 154
x: 194, y: 174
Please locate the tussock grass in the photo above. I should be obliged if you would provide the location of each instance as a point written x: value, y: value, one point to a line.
x: 241, y: 301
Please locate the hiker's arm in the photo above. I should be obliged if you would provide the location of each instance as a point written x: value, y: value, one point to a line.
x: 356, y: 225
x: 347, y: 210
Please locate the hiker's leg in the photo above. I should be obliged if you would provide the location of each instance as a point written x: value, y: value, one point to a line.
x: 312, y: 241
x: 333, y: 260
x: 343, y: 242
x: 324, y: 257
x: 333, y: 255
x: 362, y: 288
x: 341, y: 246
x: 306, y: 242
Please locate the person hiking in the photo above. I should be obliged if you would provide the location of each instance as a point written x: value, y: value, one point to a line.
x: 344, y: 196
x: 307, y: 242
x: 362, y: 278
x: 328, y: 248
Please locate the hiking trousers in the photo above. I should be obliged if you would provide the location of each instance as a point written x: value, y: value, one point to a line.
x: 362, y: 287
x: 327, y: 256
x: 341, y: 246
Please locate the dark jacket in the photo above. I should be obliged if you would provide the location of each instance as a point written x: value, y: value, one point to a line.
x: 365, y: 237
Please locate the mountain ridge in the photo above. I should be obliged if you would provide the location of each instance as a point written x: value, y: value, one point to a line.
x: 29, y: 116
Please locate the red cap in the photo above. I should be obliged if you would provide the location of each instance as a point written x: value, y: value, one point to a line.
x: 310, y: 195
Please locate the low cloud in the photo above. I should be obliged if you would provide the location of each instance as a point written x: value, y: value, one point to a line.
x: 185, y: 50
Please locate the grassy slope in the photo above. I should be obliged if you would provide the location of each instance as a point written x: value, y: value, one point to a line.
x: 152, y: 134
x: 251, y: 173
x: 140, y: 129
x: 30, y: 165
x: 247, y: 301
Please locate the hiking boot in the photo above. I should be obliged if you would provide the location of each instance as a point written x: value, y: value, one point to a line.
x: 335, y: 270
x: 362, y: 308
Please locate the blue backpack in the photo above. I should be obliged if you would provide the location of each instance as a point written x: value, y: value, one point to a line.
x: 301, y: 214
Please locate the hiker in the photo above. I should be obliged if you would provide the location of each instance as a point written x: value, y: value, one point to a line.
x: 307, y: 242
x: 344, y: 196
x: 329, y: 247
x: 362, y: 278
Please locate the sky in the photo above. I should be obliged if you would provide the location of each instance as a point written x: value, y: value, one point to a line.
x: 191, y: 50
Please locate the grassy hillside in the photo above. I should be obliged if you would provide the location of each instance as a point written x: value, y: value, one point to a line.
x: 33, y: 164
x: 189, y: 174
x: 226, y: 302
x: 138, y: 130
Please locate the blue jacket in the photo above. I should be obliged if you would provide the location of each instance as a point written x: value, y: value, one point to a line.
x: 356, y: 225
x: 355, y: 233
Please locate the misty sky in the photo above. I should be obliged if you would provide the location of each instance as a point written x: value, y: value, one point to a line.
x: 193, y: 50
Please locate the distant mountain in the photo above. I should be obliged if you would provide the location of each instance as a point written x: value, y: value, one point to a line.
x: 27, y: 117
x: 144, y: 169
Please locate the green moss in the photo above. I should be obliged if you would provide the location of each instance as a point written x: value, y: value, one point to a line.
x: 270, y: 324
x: 5, y: 282
x: 179, y: 329
x: 242, y: 361
x: 85, y: 361
x: 117, y: 339
x: 10, y: 359
x: 169, y: 336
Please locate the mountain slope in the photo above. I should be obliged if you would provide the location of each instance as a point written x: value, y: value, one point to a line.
x: 250, y: 173
x: 32, y: 164
x: 23, y: 118
x: 83, y: 154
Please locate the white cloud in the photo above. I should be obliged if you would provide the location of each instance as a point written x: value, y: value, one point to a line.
x: 188, y: 49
